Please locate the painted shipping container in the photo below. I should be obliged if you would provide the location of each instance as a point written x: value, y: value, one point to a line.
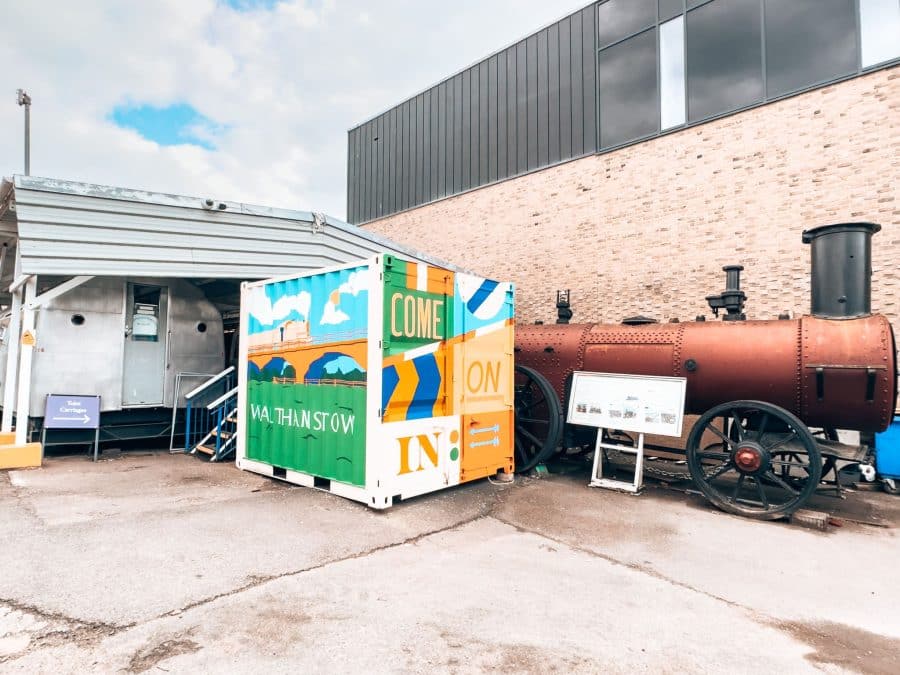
x: 378, y: 380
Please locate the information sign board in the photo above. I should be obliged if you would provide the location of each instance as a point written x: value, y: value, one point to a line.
x: 72, y: 411
x: 68, y: 411
x: 638, y: 403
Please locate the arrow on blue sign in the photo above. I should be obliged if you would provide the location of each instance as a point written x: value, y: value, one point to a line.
x: 84, y: 420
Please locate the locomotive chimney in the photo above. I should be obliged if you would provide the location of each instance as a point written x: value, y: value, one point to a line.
x: 841, y: 269
x: 732, y: 298
x: 563, y: 308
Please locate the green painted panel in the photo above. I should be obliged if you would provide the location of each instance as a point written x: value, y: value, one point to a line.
x: 319, y: 429
x: 412, y: 318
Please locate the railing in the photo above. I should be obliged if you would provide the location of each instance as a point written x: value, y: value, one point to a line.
x: 223, y: 410
x: 198, y: 416
x: 181, y: 378
x: 333, y: 381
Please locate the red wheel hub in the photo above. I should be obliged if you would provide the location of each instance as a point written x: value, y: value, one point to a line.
x: 748, y: 458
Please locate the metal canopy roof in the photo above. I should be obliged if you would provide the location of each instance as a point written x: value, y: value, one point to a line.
x: 70, y: 228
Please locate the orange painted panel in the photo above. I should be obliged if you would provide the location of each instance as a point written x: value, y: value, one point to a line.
x: 487, y: 445
x: 437, y: 280
x: 483, y: 372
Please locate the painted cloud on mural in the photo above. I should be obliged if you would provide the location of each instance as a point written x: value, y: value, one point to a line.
x: 331, y: 313
x: 267, y: 313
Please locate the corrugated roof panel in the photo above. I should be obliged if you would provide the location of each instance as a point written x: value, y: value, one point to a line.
x: 63, y: 233
x: 76, y: 228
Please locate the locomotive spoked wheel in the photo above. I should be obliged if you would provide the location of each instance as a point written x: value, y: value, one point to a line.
x: 754, y: 459
x: 538, y: 419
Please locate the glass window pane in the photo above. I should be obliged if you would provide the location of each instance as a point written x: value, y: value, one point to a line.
x: 694, y: 3
x: 724, y: 57
x: 671, y: 73
x: 617, y: 19
x: 670, y: 8
x: 627, y: 81
x: 807, y: 42
x: 880, y: 28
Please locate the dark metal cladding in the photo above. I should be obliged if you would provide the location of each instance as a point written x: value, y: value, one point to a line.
x: 528, y: 106
x: 828, y: 373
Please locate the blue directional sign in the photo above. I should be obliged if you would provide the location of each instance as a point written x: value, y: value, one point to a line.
x: 67, y: 411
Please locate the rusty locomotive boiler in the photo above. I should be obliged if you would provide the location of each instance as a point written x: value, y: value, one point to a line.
x: 758, y: 386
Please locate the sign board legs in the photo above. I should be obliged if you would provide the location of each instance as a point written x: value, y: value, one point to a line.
x: 597, y: 479
x: 96, y: 442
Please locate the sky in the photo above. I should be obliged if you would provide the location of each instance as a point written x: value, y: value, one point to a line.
x: 240, y: 100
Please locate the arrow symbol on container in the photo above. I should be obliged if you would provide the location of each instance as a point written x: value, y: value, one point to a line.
x: 84, y: 420
x: 485, y: 430
x: 495, y: 441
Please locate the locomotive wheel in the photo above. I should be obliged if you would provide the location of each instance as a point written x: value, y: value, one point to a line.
x: 764, y: 463
x: 538, y: 419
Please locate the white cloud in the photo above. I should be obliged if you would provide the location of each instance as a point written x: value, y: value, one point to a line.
x: 356, y: 282
x: 284, y: 85
x: 262, y: 309
x: 332, y: 315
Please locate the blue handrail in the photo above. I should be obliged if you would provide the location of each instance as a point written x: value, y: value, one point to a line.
x: 223, y: 410
x: 198, y: 417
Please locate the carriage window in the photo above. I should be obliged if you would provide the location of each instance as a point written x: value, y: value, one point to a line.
x: 145, y: 316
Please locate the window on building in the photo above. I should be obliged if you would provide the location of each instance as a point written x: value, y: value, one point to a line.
x: 671, y: 73
x: 670, y: 8
x: 617, y: 19
x: 879, y: 23
x: 629, y: 107
x: 724, y: 57
x: 807, y: 42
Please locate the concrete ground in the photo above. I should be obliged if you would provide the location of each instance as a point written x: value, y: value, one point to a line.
x: 157, y: 563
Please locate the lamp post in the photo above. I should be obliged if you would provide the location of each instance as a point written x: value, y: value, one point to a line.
x: 22, y: 98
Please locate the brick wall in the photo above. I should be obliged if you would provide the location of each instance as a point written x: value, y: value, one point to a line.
x: 646, y: 229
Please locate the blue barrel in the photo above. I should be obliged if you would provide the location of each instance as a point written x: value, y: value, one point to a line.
x: 887, y: 451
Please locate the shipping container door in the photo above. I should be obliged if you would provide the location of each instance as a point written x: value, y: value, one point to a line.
x: 483, y: 374
x: 420, y: 434
x: 418, y: 320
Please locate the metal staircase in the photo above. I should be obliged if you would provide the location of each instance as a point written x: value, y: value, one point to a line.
x: 211, y: 417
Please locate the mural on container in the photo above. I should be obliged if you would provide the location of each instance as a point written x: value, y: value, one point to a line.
x: 447, y: 383
x: 442, y: 411
x: 307, y: 374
